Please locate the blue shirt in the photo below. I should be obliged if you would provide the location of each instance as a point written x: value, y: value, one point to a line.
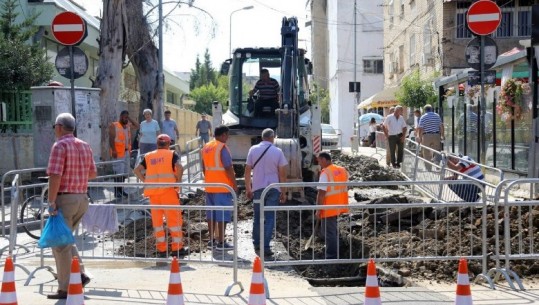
x: 168, y: 128
x: 226, y: 158
x: 149, y: 132
x: 430, y: 122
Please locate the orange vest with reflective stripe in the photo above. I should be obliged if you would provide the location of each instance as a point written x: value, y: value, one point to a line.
x: 214, y: 171
x: 158, y: 170
x: 119, y: 140
x: 335, y: 194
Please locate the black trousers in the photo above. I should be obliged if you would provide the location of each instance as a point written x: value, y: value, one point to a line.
x: 396, y: 144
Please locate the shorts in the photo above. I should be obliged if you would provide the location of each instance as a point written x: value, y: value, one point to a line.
x: 219, y: 200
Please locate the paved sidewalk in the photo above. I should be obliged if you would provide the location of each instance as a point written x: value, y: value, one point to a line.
x: 132, y: 283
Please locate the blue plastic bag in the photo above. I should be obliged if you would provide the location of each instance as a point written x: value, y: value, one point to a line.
x: 56, y: 233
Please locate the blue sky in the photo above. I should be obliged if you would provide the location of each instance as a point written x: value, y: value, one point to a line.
x: 189, y: 31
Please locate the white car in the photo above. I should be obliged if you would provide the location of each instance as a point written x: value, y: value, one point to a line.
x: 330, y: 137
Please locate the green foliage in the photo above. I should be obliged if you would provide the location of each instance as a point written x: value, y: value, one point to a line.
x: 22, y: 63
x: 205, y: 95
x: 321, y: 96
x: 415, y: 92
x: 203, y: 74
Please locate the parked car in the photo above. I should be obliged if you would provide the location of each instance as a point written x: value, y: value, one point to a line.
x: 330, y: 137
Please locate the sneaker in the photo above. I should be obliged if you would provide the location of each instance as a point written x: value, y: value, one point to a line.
x: 212, y: 244
x: 183, y: 251
x: 85, y: 280
x: 224, y: 246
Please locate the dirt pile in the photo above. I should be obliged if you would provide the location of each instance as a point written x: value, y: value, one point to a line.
x: 363, y: 168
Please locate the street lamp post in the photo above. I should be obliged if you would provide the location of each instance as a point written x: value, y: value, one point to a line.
x: 230, y: 24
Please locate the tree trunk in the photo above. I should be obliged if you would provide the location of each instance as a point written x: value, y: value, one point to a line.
x: 109, y: 72
x: 143, y: 55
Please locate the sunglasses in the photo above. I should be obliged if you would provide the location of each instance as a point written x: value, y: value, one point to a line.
x: 54, y: 126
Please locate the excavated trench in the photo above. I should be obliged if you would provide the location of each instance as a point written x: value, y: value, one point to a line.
x: 411, y: 230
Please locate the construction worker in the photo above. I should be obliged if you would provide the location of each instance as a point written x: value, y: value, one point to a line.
x: 163, y: 166
x: 331, y: 195
x: 218, y: 168
x: 120, y: 148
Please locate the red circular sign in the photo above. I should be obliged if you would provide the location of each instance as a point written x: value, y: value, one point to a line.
x: 68, y: 28
x: 483, y: 17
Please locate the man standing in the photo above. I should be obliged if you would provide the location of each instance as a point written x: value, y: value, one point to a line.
x: 120, y: 148
x: 204, y: 129
x: 170, y: 128
x: 331, y: 195
x: 163, y: 166
x: 395, y: 132
x: 218, y: 168
x: 388, y: 156
x: 268, y: 164
x: 71, y: 164
x: 430, y: 132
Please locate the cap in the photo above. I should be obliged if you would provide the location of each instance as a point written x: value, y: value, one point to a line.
x: 163, y: 138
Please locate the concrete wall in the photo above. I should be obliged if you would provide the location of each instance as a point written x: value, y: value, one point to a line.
x: 17, y: 151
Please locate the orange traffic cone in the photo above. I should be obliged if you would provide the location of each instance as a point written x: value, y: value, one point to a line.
x: 175, y: 290
x: 464, y: 293
x: 75, y: 296
x: 8, y: 295
x: 372, y: 291
x: 257, y: 294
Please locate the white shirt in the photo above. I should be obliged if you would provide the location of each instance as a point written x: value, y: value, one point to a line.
x: 323, y: 178
x: 394, y: 126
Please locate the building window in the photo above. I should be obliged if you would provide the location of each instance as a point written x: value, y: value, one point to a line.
x: 391, y: 12
x: 401, y: 59
x: 171, y: 97
x: 506, y: 25
x: 427, y: 37
x: 413, y: 10
x: 402, y: 9
x: 375, y: 66
x: 524, y: 22
x: 462, y: 29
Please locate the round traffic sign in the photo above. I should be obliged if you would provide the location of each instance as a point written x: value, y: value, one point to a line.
x: 483, y: 17
x: 63, y: 63
x: 68, y: 28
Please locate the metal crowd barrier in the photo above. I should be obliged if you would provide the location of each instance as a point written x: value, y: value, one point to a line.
x: 523, y: 236
x: 415, y: 223
x: 131, y: 238
x: 194, y: 160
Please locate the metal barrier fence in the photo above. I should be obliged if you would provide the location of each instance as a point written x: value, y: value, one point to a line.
x: 194, y: 160
x: 115, y: 231
x: 417, y: 231
x: 520, y: 230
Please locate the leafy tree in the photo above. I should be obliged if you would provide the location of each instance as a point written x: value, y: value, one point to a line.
x: 203, y: 74
x: 23, y: 62
x: 415, y: 92
x: 205, y: 95
x: 321, y: 96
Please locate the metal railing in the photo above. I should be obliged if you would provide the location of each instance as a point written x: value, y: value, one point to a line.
x: 365, y: 229
x: 133, y: 241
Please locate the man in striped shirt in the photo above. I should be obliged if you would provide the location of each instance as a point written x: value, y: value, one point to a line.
x: 268, y: 94
x: 430, y: 132
x: 467, y: 169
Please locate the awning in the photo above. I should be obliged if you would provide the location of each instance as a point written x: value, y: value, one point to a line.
x: 384, y: 98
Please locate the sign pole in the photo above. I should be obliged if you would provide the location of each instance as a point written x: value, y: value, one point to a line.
x: 481, y: 107
x: 72, y: 81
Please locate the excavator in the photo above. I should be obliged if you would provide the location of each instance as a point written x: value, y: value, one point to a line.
x: 294, y: 118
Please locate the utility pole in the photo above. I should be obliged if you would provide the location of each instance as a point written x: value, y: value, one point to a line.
x: 158, y: 110
x: 356, y: 92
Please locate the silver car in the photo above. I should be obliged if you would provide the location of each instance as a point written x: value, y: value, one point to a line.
x: 330, y: 137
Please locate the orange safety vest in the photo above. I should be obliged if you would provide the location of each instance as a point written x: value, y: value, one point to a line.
x: 335, y: 194
x: 214, y: 171
x: 159, y: 170
x: 119, y: 140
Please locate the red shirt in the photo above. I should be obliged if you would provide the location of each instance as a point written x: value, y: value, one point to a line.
x: 72, y: 159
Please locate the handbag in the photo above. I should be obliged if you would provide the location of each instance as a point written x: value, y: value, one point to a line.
x: 56, y: 233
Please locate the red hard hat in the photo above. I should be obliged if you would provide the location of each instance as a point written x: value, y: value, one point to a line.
x: 163, y: 138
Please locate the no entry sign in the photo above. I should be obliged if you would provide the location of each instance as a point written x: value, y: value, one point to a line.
x: 483, y: 17
x: 68, y: 28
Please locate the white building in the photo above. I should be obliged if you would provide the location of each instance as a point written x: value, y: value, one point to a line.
x: 349, y: 59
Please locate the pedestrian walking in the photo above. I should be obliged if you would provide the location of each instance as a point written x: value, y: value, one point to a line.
x: 372, y: 132
x: 203, y: 129
x: 70, y: 166
x: 218, y: 168
x: 395, y: 132
x: 149, y: 129
x: 331, y: 195
x: 120, y: 148
x: 430, y: 133
x: 170, y: 128
x: 268, y: 165
x: 163, y: 166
